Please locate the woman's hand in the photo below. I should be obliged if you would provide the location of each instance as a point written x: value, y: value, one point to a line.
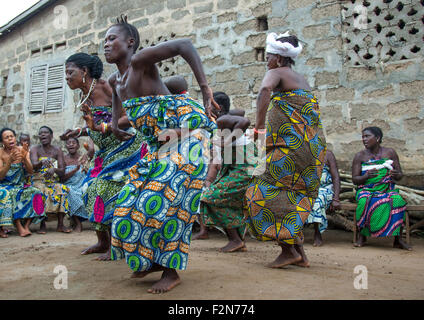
x: 88, y: 117
x: 49, y: 174
x: 122, y: 135
x: 25, y: 149
x: 69, y: 133
x: 335, y: 205
x: 208, y: 102
x: 46, y: 163
x: 371, y: 173
x: 16, y: 155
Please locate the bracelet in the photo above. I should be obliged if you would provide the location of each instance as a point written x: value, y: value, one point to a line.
x: 79, y: 132
x: 260, y: 131
x: 104, y: 127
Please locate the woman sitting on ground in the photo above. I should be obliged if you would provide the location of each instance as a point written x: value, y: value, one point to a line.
x: 381, y: 210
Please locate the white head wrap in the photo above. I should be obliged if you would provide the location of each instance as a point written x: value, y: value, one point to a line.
x: 284, y: 49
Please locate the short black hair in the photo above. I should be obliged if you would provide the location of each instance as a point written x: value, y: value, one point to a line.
x: 223, y: 100
x: 46, y: 127
x: 4, y: 130
x: 376, y: 131
x: 91, y: 62
x: 130, y: 30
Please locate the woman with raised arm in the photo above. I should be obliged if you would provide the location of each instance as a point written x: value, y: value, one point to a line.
x: 19, y: 204
x: 282, y: 195
x: 113, y: 158
x: 153, y: 221
x: 381, y: 209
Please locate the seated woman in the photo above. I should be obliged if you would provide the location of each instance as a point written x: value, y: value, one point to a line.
x: 381, y: 210
x: 18, y: 204
x: 49, y: 166
x: 74, y: 176
x: 221, y: 203
x: 328, y: 197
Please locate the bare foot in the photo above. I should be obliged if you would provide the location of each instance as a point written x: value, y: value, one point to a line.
x: 104, y: 257
x: 24, y: 233
x: 201, y: 235
x: 169, y: 280
x: 63, y: 229
x: 3, y: 234
x: 78, y: 228
x: 142, y: 274
x: 234, y: 246
x: 43, y: 229
x: 317, y: 240
x: 401, y: 245
x: 97, y: 248
x: 360, y: 242
x: 288, y: 256
x: 304, y: 262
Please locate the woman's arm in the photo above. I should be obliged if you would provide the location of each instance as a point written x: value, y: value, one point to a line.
x: 147, y: 57
x: 332, y: 163
x: 33, y: 154
x: 119, y: 118
x: 26, y: 160
x: 396, y: 173
x: 269, y: 83
x: 357, y: 178
x: 5, y: 163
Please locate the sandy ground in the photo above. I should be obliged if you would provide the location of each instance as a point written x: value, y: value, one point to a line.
x: 27, y: 270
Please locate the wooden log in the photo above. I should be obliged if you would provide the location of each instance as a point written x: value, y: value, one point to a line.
x: 400, y: 187
x: 341, y: 222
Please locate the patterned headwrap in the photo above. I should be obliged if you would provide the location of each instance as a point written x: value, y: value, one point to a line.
x: 284, y: 49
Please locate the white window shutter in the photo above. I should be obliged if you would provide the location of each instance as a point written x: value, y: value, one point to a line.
x: 55, y: 88
x: 37, y: 88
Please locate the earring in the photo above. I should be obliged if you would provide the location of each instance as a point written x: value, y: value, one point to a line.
x: 83, y: 79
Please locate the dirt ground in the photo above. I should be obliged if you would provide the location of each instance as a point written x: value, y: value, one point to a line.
x: 27, y: 270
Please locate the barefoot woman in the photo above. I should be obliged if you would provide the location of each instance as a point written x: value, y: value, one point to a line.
x: 155, y: 211
x: 113, y: 159
x: 381, y: 210
x: 18, y: 204
x: 280, y: 199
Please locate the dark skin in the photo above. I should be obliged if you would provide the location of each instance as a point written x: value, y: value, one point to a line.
x: 176, y: 84
x: 373, y: 150
x: 101, y: 95
x: 237, y: 125
x: 46, y: 149
x: 10, y: 154
x: 330, y: 161
x: 138, y: 76
x: 280, y: 78
x: 74, y: 158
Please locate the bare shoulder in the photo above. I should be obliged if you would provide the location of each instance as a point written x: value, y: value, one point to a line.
x: 112, y: 79
x: 360, y: 156
x: 389, y: 152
